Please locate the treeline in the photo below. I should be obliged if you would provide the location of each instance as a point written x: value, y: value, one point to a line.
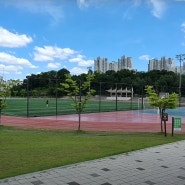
x: 47, y: 83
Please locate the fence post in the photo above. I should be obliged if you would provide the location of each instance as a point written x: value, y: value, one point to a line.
x: 142, y: 99
x: 100, y: 98
x: 27, y: 96
x: 172, y: 125
x: 131, y: 96
x: 116, y: 98
x: 56, y: 95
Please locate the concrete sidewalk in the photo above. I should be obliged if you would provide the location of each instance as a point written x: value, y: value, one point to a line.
x: 164, y: 165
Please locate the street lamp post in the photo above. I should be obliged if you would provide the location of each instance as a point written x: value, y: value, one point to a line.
x: 180, y: 57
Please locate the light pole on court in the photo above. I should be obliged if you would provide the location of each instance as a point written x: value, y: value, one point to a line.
x: 180, y: 57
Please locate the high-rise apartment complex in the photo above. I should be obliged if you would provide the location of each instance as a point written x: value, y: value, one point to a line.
x: 113, y: 66
x: 168, y: 64
x: 102, y: 64
x: 125, y: 63
x: 163, y: 64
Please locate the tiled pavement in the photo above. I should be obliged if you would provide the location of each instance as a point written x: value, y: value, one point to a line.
x: 164, y: 165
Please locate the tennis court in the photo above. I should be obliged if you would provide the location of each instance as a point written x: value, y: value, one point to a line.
x: 37, y: 107
x: 125, y: 121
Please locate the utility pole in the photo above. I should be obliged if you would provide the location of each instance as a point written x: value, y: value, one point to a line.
x: 180, y: 57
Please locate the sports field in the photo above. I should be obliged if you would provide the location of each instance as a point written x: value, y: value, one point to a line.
x: 36, y: 107
x: 107, y: 119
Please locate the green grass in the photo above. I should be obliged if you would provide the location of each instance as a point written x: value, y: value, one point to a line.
x: 24, y: 151
x: 37, y: 106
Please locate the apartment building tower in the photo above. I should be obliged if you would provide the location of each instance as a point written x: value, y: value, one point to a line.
x: 125, y: 63
x: 163, y: 64
x: 102, y: 64
x: 113, y: 66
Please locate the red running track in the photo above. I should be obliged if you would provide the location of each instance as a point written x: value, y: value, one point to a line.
x: 125, y: 121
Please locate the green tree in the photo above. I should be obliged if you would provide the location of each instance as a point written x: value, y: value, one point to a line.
x: 162, y: 103
x: 5, y: 91
x: 79, y: 93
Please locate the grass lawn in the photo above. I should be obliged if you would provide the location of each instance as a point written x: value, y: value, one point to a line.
x: 37, y: 106
x: 24, y: 151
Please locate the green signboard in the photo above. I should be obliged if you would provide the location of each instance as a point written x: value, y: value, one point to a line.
x: 177, y: 124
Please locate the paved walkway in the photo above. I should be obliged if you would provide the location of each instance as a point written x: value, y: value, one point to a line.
x: 164, y: 165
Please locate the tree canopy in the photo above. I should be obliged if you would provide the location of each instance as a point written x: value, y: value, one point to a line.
x: 45, y: 83
x: 165, y: 102
x: 78, y: 91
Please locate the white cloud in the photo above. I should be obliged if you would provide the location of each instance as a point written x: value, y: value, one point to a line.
x: 50, y: 53
x: 86, y: 63
x: 10, y: 69
x: 13, y: 40
x: 81, y: 61
x: 82, y: 3
x: 77, y: 71
x: 54, y: 65
x: 12, y: 60
x: 144, y: 57
x: 96, y: 3
x: 159, y: 7
x: 129, y: 11
x: 183, y: 27
x: 137, y: 2
x: 49, y: 7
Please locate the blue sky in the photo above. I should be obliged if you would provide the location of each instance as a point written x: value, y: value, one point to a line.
x: 42, y: 35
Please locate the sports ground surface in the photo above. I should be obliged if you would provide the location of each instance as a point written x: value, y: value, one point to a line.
x: 124, y: 121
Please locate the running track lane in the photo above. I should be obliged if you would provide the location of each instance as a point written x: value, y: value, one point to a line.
x: 125, y: 121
